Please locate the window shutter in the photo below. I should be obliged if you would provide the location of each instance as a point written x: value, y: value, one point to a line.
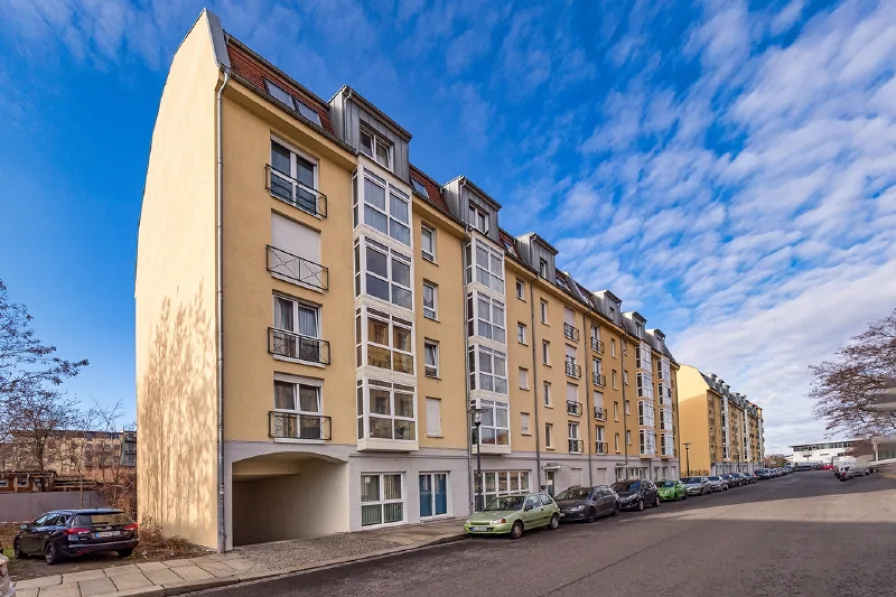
x: 572, y: 392
x: 433, y: 416
x: 568, y: 316
x: 294, y: 238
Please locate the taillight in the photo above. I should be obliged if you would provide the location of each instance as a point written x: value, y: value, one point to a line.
x: 76, y: 531
x: 132, y: 527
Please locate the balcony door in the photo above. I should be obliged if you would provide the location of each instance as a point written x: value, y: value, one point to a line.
x: 433, y: 494
x: 295, y: 253
x: 297, y: 330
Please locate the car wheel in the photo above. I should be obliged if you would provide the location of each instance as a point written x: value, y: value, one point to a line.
x: 640, y: 505
x: 125, y: 553
x: 685, y: 497
x: 17, y: 550
x: 51, y: 554
x: 592, y: 516
x: 555, y: 522
x: 656, y: 502
x: 616, y: 509
x: 516, y: 531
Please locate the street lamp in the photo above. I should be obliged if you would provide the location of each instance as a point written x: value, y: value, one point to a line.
x: 687, y: 456
x: 477, y: 421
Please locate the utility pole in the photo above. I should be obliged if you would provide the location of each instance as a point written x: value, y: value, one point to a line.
x: 687, y: 456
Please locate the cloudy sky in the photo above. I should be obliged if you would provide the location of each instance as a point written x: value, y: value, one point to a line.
x: 727, y: 167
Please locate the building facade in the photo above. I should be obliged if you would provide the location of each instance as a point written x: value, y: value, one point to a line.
x: 329, y: 340
x: 821, y: 452
x: 721, y: 431
x: 93, y: 454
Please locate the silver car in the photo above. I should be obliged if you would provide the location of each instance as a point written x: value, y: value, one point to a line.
x: 6, y: 588
x: 718, y: 483
x: 697, y: 485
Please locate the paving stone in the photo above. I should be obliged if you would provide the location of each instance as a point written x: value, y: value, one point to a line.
x: 161, y: 577
x: 66, y: 590
x: 35, y: 583
x: 218, y: 569
x: 119, y: 570
x: 178, y: 563
x: 193, y: 573
x: 124, y: 582
x: 146, y: 566
x: 84, y: 575
x: 96, y: 586
x: 144, y: 592
x: 239, y: 564
x: 186, y: 587
x: 26, y: 592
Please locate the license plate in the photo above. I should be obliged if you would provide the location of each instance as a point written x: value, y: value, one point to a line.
x: 478, y: 528
x: 562, y: 514
x: 104, y: 534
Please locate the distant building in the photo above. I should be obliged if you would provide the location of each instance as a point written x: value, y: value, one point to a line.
x: 820, y: 452
x: 25, y: 481
x: 73, y: 452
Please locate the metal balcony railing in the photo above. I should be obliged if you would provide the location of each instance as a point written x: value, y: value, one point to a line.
x: 283, y: 425
x: 295, y: 346
x: 571, y: 332
x: 601, y: 447
x: 599, y: 379
x: 573, y: 369
x: 294, y: 192
x: 597, y: 346
x: 600, y: 414
x: 576, y: 446
x: 573, y: 407
x: 297, y: 269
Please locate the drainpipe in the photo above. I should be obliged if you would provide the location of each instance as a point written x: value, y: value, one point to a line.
x: 222, y: 528
x: 468, y: 410
x: 588, y: 409
x: 535, y: 381
x: 624, y: 412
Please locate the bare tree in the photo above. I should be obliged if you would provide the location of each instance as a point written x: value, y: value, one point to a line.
x: 847, y: 390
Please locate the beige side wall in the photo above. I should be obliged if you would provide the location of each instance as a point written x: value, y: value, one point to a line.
x: 175, y: 303
x: 693, y: 418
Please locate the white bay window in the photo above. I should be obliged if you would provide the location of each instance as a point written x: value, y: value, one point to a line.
x: 495, y: 427
x: 386, y: 411
x: 384, y: 341
x: 383, y: 273
x: 486, y: 317
x: 645, y: 414
x: 488, y: 369
x: 488, y: 264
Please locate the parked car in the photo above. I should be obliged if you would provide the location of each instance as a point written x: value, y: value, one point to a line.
x: 855, y: 470
x: 752, y: 478
x: 787, y: 469
x: 514, y: 514
x: 732, y: 479
x: 66, y: 533
x: 634, y: 494
x: 697, y: 485
x: 587, y: 503
x: 717, y: 483
x: 6, y: 588
x: 826, y: 467
x: 672, y: 491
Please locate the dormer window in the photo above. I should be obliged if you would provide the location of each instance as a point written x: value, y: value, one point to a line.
x: 561, y: 282
x: 478, y: 219
x: 281, y: 95
x: 376, y: 148
x: 640, y: 329
x: 543, y: 268
x: 418, y: 186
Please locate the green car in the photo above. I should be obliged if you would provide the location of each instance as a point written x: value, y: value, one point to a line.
x: 513, y: 514
x: 672, y: 491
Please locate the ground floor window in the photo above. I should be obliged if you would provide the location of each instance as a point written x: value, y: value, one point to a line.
x: 433, y: 494
x: 503, y: 483
x: 381, y: 499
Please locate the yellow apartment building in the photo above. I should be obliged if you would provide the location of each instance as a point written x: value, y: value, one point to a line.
x: 722, y: 429
x: 317, y: 317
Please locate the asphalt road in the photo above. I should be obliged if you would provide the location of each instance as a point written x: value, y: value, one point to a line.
x: 806, y: 534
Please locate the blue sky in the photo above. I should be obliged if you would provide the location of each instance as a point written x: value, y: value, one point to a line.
x: 727, y: 168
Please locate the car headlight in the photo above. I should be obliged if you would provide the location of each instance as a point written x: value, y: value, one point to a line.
x: 628, y: 498
x: 577, y: 508
x: 467, y: 521
x: 500, y: 521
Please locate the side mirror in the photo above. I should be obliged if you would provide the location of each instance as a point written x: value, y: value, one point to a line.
x: 528, y: 507
x: 24, y: 527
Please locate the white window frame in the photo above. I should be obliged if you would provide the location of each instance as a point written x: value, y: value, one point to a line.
x: 362, y: 272
x: 482, y: 354
x: 615, y: 380
x: 297, y: 384
x: 549, y: 436
x: 431, y: 254
x: 391, y: 321
x: 390, y: 191
x: 646, y: 414
x: 478, y: 218
x: 382, y: 502
x: 543, y: 267
x: 523, y: 378
x: 432, y: 480
x: 494, y: 280
x: 375, y: 142
x: 306, y: 111
x: 294, y: 155
x: 431, y: 370
x: 646, y: 441
x: 431, y: 312
x: 521, y: 333
x: 546, y: 352
x: 628, y: 437
x: 548, y: 399
x: 497, y: 330
x: 429, y: 430
x: 418, y: 186
x: 494, y: 407
x: 366, y: 386
x: 644, y: 385
x: 544, y: 311
x: 613, y: 347
x: 520, y: 290
x: 615, y: 410
x: 616, y: 442
x: 525, y: 421
x: 513, y: 482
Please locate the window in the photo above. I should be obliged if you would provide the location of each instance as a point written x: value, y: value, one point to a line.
x: 294, y: 178
x: 495, y: 426
x: 647, y: 441
x: 524, y: 424
x: 596, y: 368
x: 543, y: 267
x: 615, y: 411
x: 524, y: 378
x: 377, y: 148
x: 427, y: 242
x: 430, y: 300
x: 488, y: 264
x: 478, y: 218
x: 544, y: 312
x: 431, y: 358
x: 548, y: 436
x: 296, y: 331
x: 381, y: 499
x: 419, y: 187
x: 613, y: 347
x: 297, y: 397
x: 644, y: 383
x: 389, y: 411
x: 625, y: 377
x: 616, y: 442
x: 296, y: 104
x: 433, y: 494
x: 387, y: 273
x: 628, y: 407
x: 613, y: 376
x: 645, y: 414
x: 389, y: 342
x: 491, y: 369
x: 546, y: 352
x: 21, y: 481
x: 547, y: 393
x: 4, y: 483
x: 573, y: 430
x: 433, y: 417
x: 520, y: 290
x: 502, y: 483
x: 521, y: 333
x: 489, y: 317
x: 643, y: 358
x: 628, y: 438
x: 386, y: 208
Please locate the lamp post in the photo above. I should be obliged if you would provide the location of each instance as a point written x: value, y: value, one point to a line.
x: 477, y: 421
x: 687, y: 456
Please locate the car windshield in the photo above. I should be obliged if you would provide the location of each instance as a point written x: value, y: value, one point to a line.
x: 623, y: 486
x: 101, y: 518
x: 666, y: 483
x: 691, y: 480
x: 575, y: 493
x: 715, y: 478
x: 509, y: 502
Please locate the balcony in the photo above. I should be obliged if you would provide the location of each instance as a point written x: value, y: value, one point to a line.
x: 599, y: 379
x: 576, y: 446
x: 297, y: 270
x: 573, y: 369
x: 600, y: 414
x: 597, y: 346
x: 295, y: 193
x: 571, y: 332
x: 283, y: 425
x: 601, y: 448
x: 295, y: 346
x: 574, y: 407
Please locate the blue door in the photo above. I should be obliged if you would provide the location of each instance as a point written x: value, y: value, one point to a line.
x: 426, y: 495
x: 441, y: 496
x: 433, y: 494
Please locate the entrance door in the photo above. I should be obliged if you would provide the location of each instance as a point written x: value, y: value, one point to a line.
x: 433, y: 494
x: 549, y: 478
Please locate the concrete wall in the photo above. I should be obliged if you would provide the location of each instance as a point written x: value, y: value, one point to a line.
x: 23, y: 507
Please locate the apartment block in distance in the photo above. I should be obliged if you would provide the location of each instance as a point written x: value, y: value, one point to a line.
x: 327, y: 337
x: 724, y: 430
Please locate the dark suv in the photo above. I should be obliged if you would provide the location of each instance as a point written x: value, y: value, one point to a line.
x: 634, y: 494
x: 587, y: 503
x: 65, y: 533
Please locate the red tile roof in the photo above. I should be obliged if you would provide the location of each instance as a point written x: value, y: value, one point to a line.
x: 433, y: 190
x: 254, y: 69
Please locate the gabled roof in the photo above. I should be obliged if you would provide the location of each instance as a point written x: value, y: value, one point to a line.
x: 535, y: 236
x: 354, y: 95
x: 434, y: 192
x: 476, y: 189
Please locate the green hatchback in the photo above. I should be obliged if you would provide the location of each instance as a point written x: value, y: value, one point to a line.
x: 672, y: 491
x: 514, y: 514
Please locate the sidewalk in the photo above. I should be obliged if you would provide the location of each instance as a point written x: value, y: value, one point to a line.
x: 159, y: 579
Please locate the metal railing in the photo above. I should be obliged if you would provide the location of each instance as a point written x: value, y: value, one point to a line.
x: 599, y: 379
x: 600, y: 414
x: 597, y: 345
x: 290, y: 190
x: 573, y: 369
x: 571, y: 332
x: 573, y: 407
x: 282, y: 425
x: 297, y: 269
x: 601, y: 447
x: 295, y: 346
x: 576, y: 446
